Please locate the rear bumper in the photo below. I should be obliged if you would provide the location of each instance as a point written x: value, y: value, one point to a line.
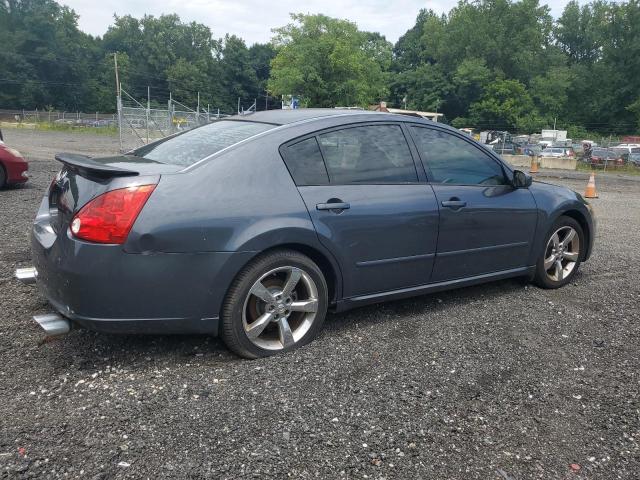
x: 102, y: 288
x: 142, y: 326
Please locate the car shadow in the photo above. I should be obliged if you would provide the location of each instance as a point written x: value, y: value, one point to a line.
x: 381, y: 312
x: 88, y: 350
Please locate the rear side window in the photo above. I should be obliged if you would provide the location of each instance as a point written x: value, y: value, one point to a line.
x: 455, y: 161
x: 368, y: 154
x: 194, y: 145
x: 305, y: 163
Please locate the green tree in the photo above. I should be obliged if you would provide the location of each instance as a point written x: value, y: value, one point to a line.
x: 260, y: 56
x: 550, y: 92
x: 505, y: 105
x: 426, y: 88
x: 329, y: 62
x: 239, y: 79
x: 635, y: 108
x: 186, y: 80
x: 44, y: 58
x: 470, y: 79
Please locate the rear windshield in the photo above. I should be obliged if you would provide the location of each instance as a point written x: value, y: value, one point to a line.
x: 194, y: 145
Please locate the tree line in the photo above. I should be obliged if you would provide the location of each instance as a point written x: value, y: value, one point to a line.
x: 486, y: 64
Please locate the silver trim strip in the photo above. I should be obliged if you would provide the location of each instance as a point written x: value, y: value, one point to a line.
x: 372, y: 263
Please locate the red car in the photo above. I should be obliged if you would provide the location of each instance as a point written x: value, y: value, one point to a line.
x: 13, y: 167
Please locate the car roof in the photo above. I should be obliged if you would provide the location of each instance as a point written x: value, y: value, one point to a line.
x: 285, y: 117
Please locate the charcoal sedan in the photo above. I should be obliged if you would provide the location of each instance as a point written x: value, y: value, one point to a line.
x: 252, y: 227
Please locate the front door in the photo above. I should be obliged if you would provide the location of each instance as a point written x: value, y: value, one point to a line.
x: 369, y: 207
x: 486, y: 225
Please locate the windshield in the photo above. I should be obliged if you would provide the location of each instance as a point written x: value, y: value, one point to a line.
x: 194, y: 145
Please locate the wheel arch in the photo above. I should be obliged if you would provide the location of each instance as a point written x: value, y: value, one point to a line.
x: 323, y: 259
x: 579, y: 217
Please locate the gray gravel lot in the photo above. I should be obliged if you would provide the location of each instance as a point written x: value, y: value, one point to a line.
x: 501, y: 381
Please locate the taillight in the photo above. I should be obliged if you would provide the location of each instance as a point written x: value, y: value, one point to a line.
x: 109, y: 217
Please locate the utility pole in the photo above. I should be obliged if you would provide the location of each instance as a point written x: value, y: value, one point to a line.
x: 120, y: 119
x: 118, y: 98
x: 115, y: 62
x: 169, y: 113
x: 148, y: 109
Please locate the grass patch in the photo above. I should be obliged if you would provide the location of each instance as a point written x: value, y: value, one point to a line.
x: 624, y: 170
x: 61, y: 127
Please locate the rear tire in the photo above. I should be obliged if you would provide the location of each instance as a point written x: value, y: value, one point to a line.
x: 277, y: 303
x: 563, y: 251
x: 3, y: 177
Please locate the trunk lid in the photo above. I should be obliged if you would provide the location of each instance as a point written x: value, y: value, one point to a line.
x: 83, y: 178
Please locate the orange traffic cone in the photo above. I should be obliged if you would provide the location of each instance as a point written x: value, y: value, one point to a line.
x: 534, y: 165
x: 590, y: 192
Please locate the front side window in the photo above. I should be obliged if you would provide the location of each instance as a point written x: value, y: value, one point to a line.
x: 454, y: 161
x: 368, y: 154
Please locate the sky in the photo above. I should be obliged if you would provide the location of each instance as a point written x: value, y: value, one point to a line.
x: 253, y: 20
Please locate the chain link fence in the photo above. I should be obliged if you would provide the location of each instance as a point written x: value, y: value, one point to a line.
x: 55, y: 117
x: 133, y: 125
x: 139, y: 124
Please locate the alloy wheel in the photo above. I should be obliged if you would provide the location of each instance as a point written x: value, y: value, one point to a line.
x: 280, y: 308
x: 562, y: 253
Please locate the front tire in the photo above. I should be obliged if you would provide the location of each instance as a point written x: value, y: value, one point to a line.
x: 559, y: 261
x: 277, y: 303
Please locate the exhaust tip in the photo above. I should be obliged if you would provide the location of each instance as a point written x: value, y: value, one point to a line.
x: 28, y: 275
x: 53, y: 324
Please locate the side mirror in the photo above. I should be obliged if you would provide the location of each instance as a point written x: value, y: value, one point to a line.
x: 521, y: 179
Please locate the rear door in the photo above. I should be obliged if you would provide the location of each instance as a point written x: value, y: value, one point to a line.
x: 369, y: 205
x: 486, y: 225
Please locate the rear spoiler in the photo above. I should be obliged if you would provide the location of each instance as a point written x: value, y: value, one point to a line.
x: 85, y: 164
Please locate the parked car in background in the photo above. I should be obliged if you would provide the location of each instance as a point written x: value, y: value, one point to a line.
x: 634, y: 159
x: 605, y: 157
x: 553, y: 152
x: 529, y: 149
x: 506, y: 149
x: 578, y: 149
x: 254, y: 226
x: 13, y: 167
x: 624, y: 151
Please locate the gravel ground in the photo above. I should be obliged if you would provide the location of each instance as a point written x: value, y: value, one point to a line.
x: 501, y: 381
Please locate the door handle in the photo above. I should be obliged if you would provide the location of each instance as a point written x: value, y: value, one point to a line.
x: 333, y: 206
x: 454, y: 203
